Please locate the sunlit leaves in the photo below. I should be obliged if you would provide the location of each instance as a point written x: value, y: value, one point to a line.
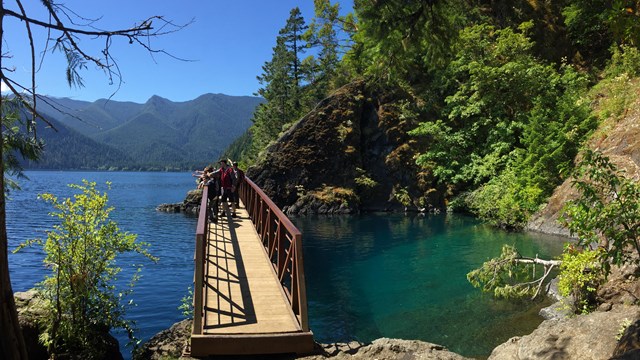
x: 81, y: 252
x: 607, y: 213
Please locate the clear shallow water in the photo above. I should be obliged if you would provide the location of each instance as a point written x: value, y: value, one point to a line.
x: 367, y: 276
x: 400, y: 276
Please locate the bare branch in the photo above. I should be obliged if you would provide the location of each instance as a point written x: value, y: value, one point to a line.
x: 33, y: 72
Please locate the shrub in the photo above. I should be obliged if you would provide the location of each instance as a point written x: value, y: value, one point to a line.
x: 83, y: 302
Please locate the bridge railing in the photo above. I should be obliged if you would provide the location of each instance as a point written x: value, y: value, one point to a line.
x: 283, y: 244
x: 202, y: 234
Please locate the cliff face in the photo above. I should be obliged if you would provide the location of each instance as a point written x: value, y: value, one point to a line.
x: 350, y: 153
x: 620, y: 141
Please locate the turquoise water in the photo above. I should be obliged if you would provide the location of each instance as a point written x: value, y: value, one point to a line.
x: 400, y: 276
x: 367, y: 276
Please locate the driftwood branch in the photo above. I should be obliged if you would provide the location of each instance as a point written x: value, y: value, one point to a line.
x: 548, y: 266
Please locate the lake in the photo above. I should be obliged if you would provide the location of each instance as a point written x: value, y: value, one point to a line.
x: 368, y: 276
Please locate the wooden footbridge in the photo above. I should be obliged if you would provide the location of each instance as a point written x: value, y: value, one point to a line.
x: 249, y: 287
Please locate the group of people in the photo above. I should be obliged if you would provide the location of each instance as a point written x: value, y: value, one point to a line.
x: 223, y: 184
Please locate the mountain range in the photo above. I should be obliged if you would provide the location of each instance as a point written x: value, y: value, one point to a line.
x: 157, y: 135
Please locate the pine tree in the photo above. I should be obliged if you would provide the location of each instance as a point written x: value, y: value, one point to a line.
x: 281, y: 81
x: 292, y: 36
x: 322, y: 34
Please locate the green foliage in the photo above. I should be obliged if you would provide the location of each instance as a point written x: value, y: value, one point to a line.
x: 363, y: 180
x: 17, y: 144
x: 81, y: 251
x: 588, y: 32
x: 625, y: 60
x: 186, y: 304
x: 581, y: 274
x: 503, y: 202
x: 281, y: 82
x: 505, y: 276
x: 323, y: 35
x: 495, y: 82
x: 607, y: 213
x: 403, y: 41
x: 510, y: 127
x: 331, y: 195
x: 402, y: 196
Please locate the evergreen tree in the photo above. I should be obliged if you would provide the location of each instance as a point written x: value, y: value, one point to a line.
x: 323, y: 35
x: 292, y: 35
x: 281, y: 85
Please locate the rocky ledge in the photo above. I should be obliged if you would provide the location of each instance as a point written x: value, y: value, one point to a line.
x: 170, y: 343
x: 190, y: 205
x: 612, y: 334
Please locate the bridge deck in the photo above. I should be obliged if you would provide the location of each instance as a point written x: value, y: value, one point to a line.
x: 242, y: 292
x: 245, y: 308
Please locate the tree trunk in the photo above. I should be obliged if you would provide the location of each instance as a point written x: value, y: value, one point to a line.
x: 12, y: 345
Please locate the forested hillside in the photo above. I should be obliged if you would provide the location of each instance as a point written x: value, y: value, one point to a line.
x: 157, y: 135
x: 495, y: 98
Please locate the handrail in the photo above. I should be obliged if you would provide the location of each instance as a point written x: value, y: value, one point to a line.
x: 283, y: 244
x: 199, y: 256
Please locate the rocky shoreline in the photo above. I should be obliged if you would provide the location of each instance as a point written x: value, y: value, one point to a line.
x: 611, y: 332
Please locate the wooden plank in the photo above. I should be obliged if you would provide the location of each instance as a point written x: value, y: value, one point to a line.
x: 243, y: 295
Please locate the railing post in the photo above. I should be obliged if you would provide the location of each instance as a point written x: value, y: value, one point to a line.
x: 301, y: 283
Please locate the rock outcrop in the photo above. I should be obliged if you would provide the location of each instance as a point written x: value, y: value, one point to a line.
x: 620, y: 141
x: 31, y: 308
x: 190, y: 205
x: 166, y: 344
x: 585, y: 337
x: 385, y: 349
x: 351, y: 153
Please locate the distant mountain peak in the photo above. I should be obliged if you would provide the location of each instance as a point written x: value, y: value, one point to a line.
x: 156, y: 99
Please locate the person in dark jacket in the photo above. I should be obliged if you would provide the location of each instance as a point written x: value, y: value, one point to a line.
x: 239, y: 174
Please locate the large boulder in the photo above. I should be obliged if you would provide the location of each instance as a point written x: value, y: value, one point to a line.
x: 166, y: 344
x: 31, y: 308
x: 385, y: 349
x: 586, y: 337
x: 350, y: 153
x: 190, y: 205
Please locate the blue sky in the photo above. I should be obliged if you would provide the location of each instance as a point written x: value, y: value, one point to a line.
x: 227, y: 44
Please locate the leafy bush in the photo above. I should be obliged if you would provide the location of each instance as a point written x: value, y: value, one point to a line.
x: 503, y: 202
x: 581, y: 274
x: 608, y: 211
x: 81, y: 251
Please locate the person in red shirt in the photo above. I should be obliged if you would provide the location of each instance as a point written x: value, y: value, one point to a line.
x: 227, y: 184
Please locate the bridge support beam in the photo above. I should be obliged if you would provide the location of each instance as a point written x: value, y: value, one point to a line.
x: 298, y: 342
